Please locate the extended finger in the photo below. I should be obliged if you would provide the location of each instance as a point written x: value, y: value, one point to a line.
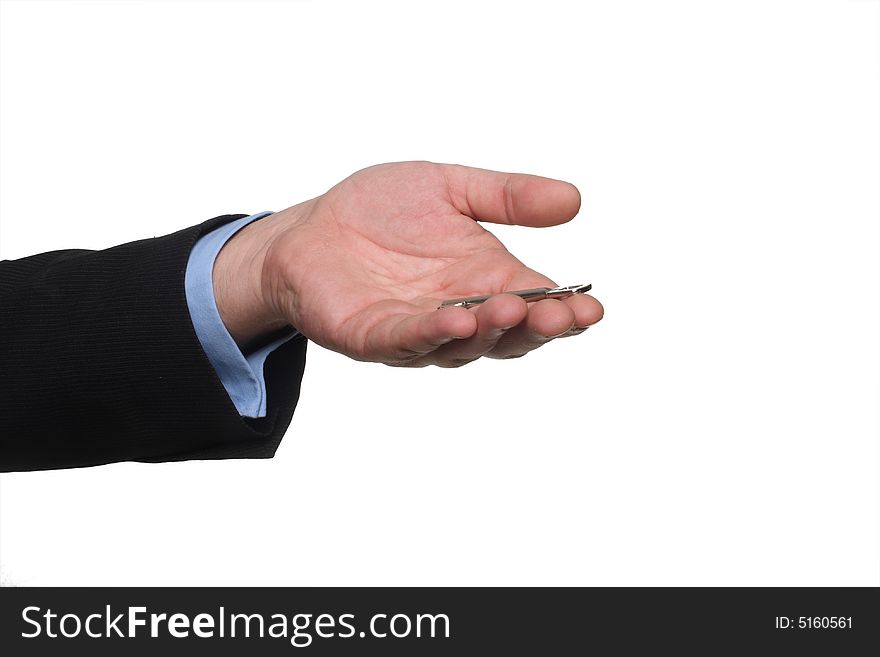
x: 546, y: 320
x: 403, y: 335
x: 587, y: 311
x: 494, y: 318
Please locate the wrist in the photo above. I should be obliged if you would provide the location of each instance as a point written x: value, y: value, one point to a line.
x: 239, y: 286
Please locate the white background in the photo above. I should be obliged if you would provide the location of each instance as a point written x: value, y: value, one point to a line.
x: 720, y: 426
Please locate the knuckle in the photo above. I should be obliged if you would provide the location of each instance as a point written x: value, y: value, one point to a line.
x: 456, y: 362
x: 407, y: 363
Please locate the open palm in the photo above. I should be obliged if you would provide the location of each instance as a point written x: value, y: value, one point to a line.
x: 363, y: 267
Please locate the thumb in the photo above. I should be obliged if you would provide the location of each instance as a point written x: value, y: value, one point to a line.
x: 511, y: 198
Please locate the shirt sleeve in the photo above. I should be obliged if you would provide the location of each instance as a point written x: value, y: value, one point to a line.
x: 241, y: 374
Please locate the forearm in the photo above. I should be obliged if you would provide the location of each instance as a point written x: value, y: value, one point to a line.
x: 100, y: 363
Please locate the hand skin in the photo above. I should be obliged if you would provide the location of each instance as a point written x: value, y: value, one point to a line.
x: 361, y: 269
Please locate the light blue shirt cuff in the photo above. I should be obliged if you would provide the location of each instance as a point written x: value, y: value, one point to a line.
x: 241, y: 375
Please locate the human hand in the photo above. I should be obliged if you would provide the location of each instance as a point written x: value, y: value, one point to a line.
x: 362, y: 268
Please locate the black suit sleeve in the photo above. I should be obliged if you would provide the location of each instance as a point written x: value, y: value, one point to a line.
x: 99, y: 362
